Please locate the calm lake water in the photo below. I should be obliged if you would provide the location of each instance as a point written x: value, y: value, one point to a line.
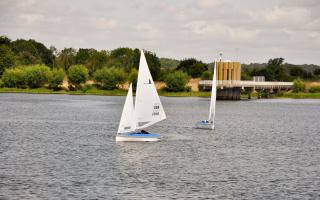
x: 63, y: 147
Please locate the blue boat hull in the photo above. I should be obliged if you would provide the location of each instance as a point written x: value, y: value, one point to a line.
x: 138, y: 137
x: 204, y: 124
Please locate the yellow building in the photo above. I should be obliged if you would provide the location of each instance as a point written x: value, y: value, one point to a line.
x: 228, y: 70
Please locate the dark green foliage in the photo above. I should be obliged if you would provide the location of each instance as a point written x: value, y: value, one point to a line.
x: 110, y: 78
x: 14, y: 77
x: 192, y: 67
x: 26, y: 52
x: 7, y: 58
x: 45, y: 54
x: 176, y: 81
x: 298, y: 72
x: 32, y: 52
x: 153, y: 63
x: 206, y: 75
x: 83, y: 56
x: 36, y: 76
x: 4, y: 40
x: 133, y: 76
x: 56, y: 77
x: 97, y: 60
x: 77, y: 74
x: 316, y: 72
x: 299, y: 85
x: 314, y: 89
x: 245, y: 75
x: 273, y: 71
x: 125, y: 58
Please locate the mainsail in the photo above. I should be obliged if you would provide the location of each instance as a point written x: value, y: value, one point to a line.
x: 128, y: 120
x: 148, y: 106
x: 212, y: 110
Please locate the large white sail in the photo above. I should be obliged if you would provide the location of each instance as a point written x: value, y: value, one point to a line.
x: 148, y: 106
x: 128, y: 120
x: 212, y: 110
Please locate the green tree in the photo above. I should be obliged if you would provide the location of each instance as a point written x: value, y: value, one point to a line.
x: 298, y: 72
x: 110, y: 78
x: 192, y: 67
x: 56, y: 77
x: 97, y: 60
x: 206, y: 75
x: 83, y: 56
x: 133, y: 77
x: 77, y: 74
x: 299, y: 85
x: 153, y: 63
x: 316, y: 72
x: 14, y: 77
x: 4, y: 40
x: 275, y: 70
x: 46, y: 55
x: 124, y: 58
x: 26, y: 52
x: 66, y: 58
x: 36, y: 76
x: 7, y: 58
x: 176, y: 81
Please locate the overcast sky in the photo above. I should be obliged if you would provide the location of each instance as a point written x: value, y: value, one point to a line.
x: 245, y: 30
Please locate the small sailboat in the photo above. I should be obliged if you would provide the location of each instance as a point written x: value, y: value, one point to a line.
x: 148, y: 109
x: 209, y: 123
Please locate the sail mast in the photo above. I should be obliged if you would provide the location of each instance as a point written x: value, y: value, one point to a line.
x: 212, y: 109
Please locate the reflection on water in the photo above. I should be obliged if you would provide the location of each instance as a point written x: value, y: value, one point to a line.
x: 63, y: 147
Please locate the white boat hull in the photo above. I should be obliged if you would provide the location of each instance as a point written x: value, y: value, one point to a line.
x: 207, y: 126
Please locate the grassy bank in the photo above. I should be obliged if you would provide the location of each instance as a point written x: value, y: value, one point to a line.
x: 92, y: 91
x: 119, y: 92
x: 299, y: 95
x: 95, y: 91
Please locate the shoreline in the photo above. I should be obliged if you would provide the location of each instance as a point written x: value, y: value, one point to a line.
x: 120, y: 92
x: 99, y: 92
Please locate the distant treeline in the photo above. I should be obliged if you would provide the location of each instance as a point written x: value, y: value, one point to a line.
x: 21, y: 52
x: 277, y: 70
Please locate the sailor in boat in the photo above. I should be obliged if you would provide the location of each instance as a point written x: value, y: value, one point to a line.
x: 144, y: 132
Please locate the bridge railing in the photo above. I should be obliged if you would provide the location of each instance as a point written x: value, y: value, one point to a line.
x: 244, y: 84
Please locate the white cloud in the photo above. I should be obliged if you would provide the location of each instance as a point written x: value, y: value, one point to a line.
x: 208, y: 3
x: 148, y: 31
x: 283, y: 15
x: 221, y: 31
x: 29, y: 18
x: 105, y: 24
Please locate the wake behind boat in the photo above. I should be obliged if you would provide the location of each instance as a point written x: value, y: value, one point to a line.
x: 209, y: 123
x: 148, y: 109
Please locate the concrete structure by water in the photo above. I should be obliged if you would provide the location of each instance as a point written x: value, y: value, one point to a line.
x: 228, y: 70
x: 230, y: 84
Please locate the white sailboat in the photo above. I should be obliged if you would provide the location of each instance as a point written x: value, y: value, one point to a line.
x: 148, y: 109
x: 209, y: 123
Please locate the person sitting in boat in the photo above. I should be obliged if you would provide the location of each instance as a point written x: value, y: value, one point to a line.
x: 144, y: 132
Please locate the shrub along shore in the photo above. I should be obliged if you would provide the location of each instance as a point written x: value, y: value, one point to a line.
x: 40, y: 79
